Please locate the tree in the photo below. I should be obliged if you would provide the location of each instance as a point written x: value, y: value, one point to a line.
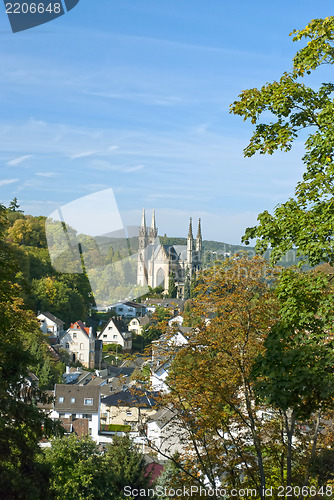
x: 210, y: 384
x: 14, y: 206
x: 305, y: 221
x: 172, y: 290
x: 157, y: 325
x: 295, y: 373
x: 79, y: 471
x: 22, y: 424
x: 254, y: 385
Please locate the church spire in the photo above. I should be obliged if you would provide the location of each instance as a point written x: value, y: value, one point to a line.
x: 153, y: 231
x: 199, y: 237
x: 190, y: 232
x: 142, y: 240
x: 190, y: 246
x: 153, y: 226
x: 143, y: 220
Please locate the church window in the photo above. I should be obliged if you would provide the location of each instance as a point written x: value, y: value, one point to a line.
x: 160, y: 277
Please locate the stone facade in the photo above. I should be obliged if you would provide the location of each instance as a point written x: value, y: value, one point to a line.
x: 157, y: 263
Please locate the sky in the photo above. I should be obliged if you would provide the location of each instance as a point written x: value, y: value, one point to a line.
x: 133, y: 96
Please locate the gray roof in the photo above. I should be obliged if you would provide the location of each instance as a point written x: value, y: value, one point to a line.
x: 162, y: 417
x: 127, y: 398
x: 53, y: 318
x: 119, y: 324
x: 77, y: 393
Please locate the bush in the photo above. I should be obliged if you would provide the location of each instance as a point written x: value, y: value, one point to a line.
x: 112, y: 348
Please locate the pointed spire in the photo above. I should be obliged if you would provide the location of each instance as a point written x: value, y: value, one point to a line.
x: 143, y: 220
x: 199, y: 238
x: 190, y: 232
x: 153, y: 225
x: 199, y: 232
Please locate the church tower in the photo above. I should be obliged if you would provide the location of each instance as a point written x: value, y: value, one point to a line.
x: 199, y: 245
x: 142, y: 277
x: 142, y: 239
x: 153, y: 231
x: 190, y: 247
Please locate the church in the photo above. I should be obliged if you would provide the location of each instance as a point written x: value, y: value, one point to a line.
x: 158, y: 263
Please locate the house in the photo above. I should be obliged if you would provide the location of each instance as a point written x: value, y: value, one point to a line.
x: 116, y: 332
x: 175, y: 305
x: 82, y: 345
x: 177, y: 320
x: 126, y: 411
x: 163, y: 351
x: 159, y: 375
x: 173, y: 338
x: 129, y: 309
x: 78, y: 409
x: 137, y: 325
x: 51, y: 326
x: 165, y: 434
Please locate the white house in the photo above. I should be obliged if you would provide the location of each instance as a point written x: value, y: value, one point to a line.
x: 176, y: 321
x: 163, y: 351
x: 116, y: 332
x: 136, y: 325
x: 129, y: 309
x: 80, y: 342
x: 165, y: 434
x: 51, y: 326
x: 78, y: 409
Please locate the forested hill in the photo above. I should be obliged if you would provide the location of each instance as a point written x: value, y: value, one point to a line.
x: 69, y: 295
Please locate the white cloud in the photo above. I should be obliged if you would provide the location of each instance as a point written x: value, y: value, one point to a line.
x: 5, y: 182
x: 46, y: 174
x: 82, y: 155
x: 20, y: 159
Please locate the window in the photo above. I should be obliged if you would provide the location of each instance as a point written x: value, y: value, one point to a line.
x: 110, y: 328
x: 129, y: 413
x: 105, y: 335
x: 81, y: 347
x: 60, y: 399
x: 74, y: 335
x: 115, y: 336
x: 81, y: 357
x: 88, y: 401
x: 67, y: 345
x: 88, y: 416
x: 72, y: 400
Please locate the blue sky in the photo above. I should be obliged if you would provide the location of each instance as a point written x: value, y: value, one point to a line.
x: 134, y: 95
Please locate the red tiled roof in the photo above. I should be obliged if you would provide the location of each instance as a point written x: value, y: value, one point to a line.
x: 80, y: 325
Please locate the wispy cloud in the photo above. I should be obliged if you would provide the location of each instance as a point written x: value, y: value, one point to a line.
x: 46, y: 174
x: 5, y: 182
x: 20, y: 159
x: 133, y: 169
x: 82, y: 155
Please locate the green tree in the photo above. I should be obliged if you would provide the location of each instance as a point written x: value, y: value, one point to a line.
x: 295, y: 373
x: 256, y: 378
x: 14, y: 206
x: 306, y: 220
x: 172, y: 290
x: 127, y: 466
x: 22, y: 424
x: 80, y: 471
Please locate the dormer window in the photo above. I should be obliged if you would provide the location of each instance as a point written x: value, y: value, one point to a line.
x: 60, y: 399
x: 88, y: 401
x: 72, y: 400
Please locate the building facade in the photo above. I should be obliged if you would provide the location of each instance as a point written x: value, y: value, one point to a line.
x: 157, y: 263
